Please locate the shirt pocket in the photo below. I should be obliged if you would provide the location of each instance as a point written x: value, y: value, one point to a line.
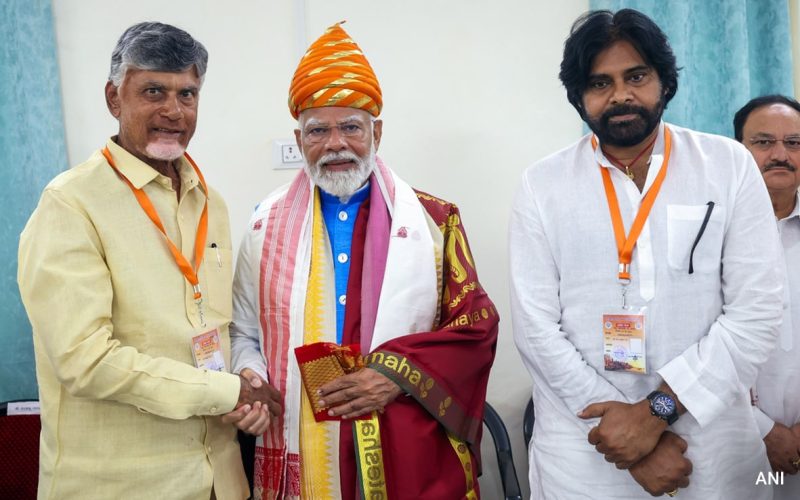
x: 684, y: 226
x: 218, y: 274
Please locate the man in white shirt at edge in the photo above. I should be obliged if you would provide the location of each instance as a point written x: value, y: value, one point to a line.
x: 769, y: 126
x: 704, y: 268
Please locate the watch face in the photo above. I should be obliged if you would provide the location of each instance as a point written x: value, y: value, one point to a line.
x: 663, y: 405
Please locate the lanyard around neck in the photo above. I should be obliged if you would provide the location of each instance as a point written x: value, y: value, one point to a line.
x: 625, y: 245
x: 202, y: 227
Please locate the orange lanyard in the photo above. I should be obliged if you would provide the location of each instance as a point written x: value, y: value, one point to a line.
x: 625, y: 245
x: 202, y: 229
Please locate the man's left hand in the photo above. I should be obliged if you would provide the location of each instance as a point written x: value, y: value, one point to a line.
x: 783, y: 446
x: 796, y: 431
x: 250, y: 419
x: 626, y: 432
x: 666, y: 468
x: 358, y: 393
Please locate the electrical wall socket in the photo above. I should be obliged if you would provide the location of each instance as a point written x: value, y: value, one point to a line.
x: 286, y: 154
x: 290, y: 153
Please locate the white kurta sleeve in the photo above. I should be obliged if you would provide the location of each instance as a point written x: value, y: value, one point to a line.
x: 546, y: 350
x: 765, y: 424
x: 244, y: 330
x: 712, y: 373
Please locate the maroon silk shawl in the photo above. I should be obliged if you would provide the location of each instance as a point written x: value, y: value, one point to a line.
x: 443, y: 373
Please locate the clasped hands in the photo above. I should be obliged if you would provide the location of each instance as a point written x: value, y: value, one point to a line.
x: 783, y: 448
x: 348, y: 396
x: 629, y: 436
x: 358, y: 393
x: 259, y: 402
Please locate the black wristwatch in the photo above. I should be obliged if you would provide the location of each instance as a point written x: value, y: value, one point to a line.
x: 663, y: 406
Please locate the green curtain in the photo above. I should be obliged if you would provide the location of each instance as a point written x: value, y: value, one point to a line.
x: 32, y: 151
x: 729, y: 50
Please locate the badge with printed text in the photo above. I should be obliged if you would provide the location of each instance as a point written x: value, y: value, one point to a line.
x: 624, y: 343
x: 207, y: 351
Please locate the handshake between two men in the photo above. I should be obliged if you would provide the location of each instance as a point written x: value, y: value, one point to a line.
x: 349, y: 396
x: 634, y: 437
x: 259, y: 402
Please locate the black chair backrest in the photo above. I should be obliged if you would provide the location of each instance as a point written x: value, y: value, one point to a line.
x: 527, y: 422
x: 502, y: 445
x: 505, y: 460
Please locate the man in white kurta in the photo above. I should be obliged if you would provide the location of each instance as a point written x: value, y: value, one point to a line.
x: 769, y: 127
x: 706, y: 277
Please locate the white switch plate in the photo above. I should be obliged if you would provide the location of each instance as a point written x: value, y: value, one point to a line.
x: 286, y: 154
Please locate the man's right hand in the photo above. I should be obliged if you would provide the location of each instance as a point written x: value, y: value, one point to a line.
x: 665, y: 468
x: 250, y: 419
x: 258, y: 403
x: 783, y: 447
x: 253, y: 388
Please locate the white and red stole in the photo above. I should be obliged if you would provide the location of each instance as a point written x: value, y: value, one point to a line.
x: 296, y: 306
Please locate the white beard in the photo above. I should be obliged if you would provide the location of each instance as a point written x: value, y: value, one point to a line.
x: 168, y: 151
x: 345, y: 183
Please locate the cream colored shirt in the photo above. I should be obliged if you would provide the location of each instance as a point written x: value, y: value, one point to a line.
x: 125, y: 413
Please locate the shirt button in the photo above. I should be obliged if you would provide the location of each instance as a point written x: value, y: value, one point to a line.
x: 209, y: 448
x: 213, y: 410
x: 342, y: 299
x: 342, y: 216
x: 342, y: 258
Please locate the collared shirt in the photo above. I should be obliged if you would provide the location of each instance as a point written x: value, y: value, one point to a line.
x: 777, y: 390
x: 340, y: 221
x: 124, y: 410
x: 706, y: 332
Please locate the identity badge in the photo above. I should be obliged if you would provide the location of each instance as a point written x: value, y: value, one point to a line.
x: 207, y: 351
x: 624, y: 343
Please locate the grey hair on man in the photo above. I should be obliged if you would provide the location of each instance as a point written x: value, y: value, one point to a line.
x: 156, y: 47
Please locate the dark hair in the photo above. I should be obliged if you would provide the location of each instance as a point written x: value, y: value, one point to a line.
x: 595, y: 31
x: 156, y: 47
x: 765, y: 100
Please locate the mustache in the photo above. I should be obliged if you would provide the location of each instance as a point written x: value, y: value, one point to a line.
x: 624, y: 109
x: 780, y: 164
x: 339, y: 156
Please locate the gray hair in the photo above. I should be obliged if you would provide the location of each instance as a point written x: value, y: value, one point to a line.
x: 156, y: 47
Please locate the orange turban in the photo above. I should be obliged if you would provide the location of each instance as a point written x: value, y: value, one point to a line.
x: 334, y: 72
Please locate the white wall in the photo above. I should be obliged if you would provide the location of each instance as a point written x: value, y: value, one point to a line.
x: 471, y: 97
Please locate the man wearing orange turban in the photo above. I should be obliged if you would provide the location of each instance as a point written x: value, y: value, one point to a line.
x: 349, y: 258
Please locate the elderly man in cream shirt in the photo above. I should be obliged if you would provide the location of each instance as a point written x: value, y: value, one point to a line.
x: 125, y: 272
